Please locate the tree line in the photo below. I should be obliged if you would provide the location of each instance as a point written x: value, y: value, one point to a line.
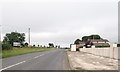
x: 11, y: 38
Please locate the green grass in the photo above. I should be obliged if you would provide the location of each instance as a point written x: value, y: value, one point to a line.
x: 20, y: 51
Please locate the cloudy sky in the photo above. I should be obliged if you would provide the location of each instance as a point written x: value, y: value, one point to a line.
x: 60, y: 21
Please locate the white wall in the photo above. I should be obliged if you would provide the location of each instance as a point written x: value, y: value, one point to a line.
x: 111, y: 52
x: 118, y: 52
x: 73, y: 47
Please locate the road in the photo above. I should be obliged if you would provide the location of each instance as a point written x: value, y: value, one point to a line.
x: 49, y: 60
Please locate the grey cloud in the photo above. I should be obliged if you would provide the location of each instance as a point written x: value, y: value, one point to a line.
x: 71, y: 19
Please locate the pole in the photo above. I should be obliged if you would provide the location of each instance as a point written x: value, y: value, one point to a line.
x: 29, y: 36
x: 0, y: 33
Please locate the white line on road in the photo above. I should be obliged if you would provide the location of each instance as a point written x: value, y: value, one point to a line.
x: 39, y: 55
x: 36, y: 56
x: 12, y: 65
x: 20, y: 62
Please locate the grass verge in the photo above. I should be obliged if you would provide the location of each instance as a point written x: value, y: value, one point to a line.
x: 20, y: 51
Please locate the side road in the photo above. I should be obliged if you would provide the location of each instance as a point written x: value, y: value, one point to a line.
x: 85, y: 61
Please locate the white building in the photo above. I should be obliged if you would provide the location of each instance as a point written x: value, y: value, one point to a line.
x: 16, y: 44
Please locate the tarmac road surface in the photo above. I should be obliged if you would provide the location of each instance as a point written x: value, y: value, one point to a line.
x: 50, y: 60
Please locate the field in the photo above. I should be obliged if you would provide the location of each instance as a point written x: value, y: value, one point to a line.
x: 20, y: 51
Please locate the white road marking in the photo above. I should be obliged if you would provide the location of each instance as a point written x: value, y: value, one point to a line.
x: 12, y: 65
x: 19, y: 63
x: 36, y: 57
x: 39, y: 55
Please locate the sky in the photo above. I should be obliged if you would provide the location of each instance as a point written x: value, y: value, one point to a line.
x: 60, y: 21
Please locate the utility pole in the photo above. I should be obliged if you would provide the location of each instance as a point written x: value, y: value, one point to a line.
x: 0, y: 33
x: 29, y: 36
x: 0, y: 38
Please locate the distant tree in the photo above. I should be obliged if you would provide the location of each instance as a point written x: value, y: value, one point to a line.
x: 59, y: 46
x: 41, y: 46
x: 38, y: 45
x: 94, y: 37
x: 33, y: 45
x: 12, y: 37
x: 77, y: 41
x: 26, y: 44
x: 51, y: 45
x: 118, y: 45
x: 44, y: 46
x: 85, y: 38
x: 56, y: 46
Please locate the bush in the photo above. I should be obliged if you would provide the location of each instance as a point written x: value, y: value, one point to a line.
x: 118, y: 45
x: 33, y: 45
x: 26, y: 44
x: 6, y: 46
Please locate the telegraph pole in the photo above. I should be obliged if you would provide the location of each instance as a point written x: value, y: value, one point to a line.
x: 29, y: 36
x: 0, y: 39
x: 0, y: 33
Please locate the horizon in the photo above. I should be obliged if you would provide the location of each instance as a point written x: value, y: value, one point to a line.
x: 46, y: 44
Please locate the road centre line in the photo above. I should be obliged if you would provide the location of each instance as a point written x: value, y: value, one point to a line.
x: 39, y: 55
x: 36, y: 56
x: 21, y: 62
x: 12, y: 65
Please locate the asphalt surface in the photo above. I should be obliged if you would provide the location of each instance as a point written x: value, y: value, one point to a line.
x: 50, y: 60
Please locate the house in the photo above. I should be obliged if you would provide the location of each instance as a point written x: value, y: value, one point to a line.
x: 99, y: 40
x: 96, y: 42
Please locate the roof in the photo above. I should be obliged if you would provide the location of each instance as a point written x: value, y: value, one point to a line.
x: 99, y: 40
